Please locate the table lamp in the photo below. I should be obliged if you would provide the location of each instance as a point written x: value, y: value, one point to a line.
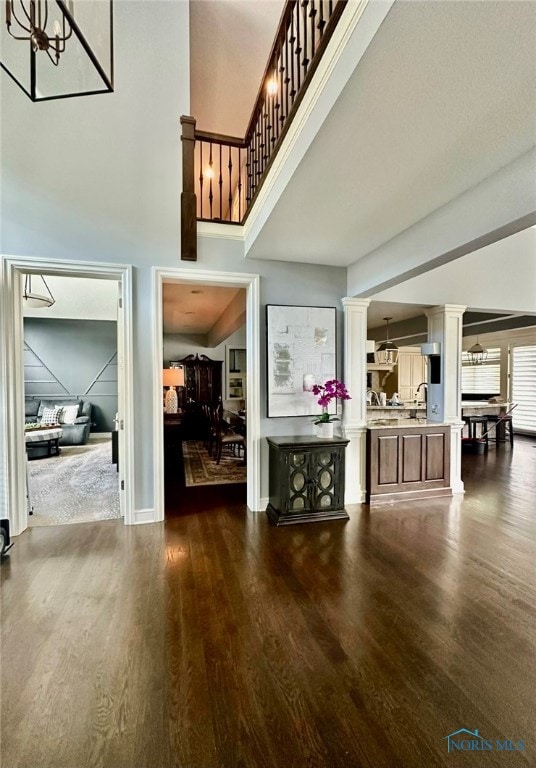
x: 172, y: 377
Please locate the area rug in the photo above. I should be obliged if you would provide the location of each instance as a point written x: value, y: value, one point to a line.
x: 201, y: 469
x: 79, y: 486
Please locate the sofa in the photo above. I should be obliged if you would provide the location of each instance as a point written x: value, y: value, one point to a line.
x: 73, y: 434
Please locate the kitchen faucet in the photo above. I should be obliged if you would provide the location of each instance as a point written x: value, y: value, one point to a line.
x: 425, y: 385
x: 374, y: 397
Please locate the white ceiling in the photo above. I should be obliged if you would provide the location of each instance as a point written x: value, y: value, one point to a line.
x: 191, y: 308
x: 230, y: 42
x: 444, y: 97
x: 76, y: 298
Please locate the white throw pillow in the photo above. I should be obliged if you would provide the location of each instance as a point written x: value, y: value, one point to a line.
x: 69, y: 414
x: 50, y: 416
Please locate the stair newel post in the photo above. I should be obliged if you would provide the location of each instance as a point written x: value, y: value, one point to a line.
x: 188, y: 198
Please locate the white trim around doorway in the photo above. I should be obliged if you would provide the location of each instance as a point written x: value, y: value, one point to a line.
x: 228, y: 279
x: 12, y: 367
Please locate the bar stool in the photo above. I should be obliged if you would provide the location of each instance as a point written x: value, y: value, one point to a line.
x: 504, y: 426
x: 472, y: 422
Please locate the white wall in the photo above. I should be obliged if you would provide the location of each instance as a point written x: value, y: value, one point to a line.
x: 501, y: 276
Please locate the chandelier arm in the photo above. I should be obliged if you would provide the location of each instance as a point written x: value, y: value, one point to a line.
x: 46, y: 16
x: 16, y: 37
x: 55, y: 62
x: 66, y: 37
x: 30, y: 22
x: 19, y: 23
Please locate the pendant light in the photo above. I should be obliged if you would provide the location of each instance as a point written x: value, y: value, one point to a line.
x: 387, y: 351
x: 477, y: 353
x: 34, y: 299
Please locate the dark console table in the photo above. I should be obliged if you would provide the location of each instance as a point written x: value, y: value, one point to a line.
x: 306, y: 479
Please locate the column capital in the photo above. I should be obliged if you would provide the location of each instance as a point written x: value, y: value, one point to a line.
x: 349, y: 301
x: 446, y: 309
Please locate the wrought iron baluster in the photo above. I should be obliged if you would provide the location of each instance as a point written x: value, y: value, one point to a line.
x: 292, y: 56
x: 305, y: 60
x: 321, y: 22
x: 211, y: 175
x: 230, y: 166
x: 287, y: 78
x: 239, y: 185
x: 312, y: 14
x: 220, y: 183
x: 201, y: 175
x: 298, y: 48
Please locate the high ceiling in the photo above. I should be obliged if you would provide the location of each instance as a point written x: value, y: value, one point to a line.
x: 76, y: 298
x: 230, y: 42
x: 443, y: 98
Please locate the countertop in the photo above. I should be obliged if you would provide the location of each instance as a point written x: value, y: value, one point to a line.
x: 420, y: 407
x: 404, y: 424
x: 484, y: 404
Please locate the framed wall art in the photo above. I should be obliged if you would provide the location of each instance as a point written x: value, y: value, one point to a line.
x: 302, y: 351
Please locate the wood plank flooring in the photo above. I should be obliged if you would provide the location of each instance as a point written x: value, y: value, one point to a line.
x: 218, y: 641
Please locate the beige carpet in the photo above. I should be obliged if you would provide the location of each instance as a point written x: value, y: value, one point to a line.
x: 79, y: 486
x: 201, y: 469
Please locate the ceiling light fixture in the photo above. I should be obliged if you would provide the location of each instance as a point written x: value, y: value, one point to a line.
x: 477, y: 353
x: 37, y: 300
x: 272, y: 86
x: 387, y: 351
x: 50, y: 28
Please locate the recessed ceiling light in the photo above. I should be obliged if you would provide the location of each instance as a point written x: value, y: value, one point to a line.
x: 196, y: 291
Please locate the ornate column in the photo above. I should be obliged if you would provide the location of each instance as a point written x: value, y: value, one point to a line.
x: 445, y: 397
x: 355, y: 410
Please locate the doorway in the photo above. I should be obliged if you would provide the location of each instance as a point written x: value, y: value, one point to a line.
x: 205, y: 415
x: 191, y: 277
x: 14, y: 490
x: 70, y: 379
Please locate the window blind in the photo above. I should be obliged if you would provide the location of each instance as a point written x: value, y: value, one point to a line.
x: 482, y: 378
x: 524, y: 388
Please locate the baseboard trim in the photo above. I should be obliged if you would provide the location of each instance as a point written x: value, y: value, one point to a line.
x: 144, y: 516
x: 263, y: 503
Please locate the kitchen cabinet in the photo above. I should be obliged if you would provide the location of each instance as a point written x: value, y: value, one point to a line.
x: 408, y: 460
x: 412, y: 371
x: 306, y: 479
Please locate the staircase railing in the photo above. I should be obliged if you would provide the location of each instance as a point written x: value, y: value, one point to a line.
x: 229, y: 171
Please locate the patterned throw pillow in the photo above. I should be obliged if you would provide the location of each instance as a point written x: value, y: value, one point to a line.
x: 50, y: 416
x: 69, y: 414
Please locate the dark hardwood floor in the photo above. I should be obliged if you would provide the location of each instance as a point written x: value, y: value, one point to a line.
x: 219, y: 640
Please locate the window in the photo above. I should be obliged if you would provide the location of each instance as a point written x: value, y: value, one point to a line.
x: 524, y: 388
x: 485, y: 378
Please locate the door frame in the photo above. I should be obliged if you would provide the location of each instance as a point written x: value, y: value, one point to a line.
x: 253, y: 396
x: 12, y: 368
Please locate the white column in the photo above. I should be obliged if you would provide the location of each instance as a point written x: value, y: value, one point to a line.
x: 445, y: 398
x: 355, y: 410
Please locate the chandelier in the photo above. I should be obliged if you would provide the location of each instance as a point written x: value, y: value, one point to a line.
x: 70, y: 51
x: 387, y: 351
x: 33, y: 20
x: 477, y: 354
x: 34, y: 299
